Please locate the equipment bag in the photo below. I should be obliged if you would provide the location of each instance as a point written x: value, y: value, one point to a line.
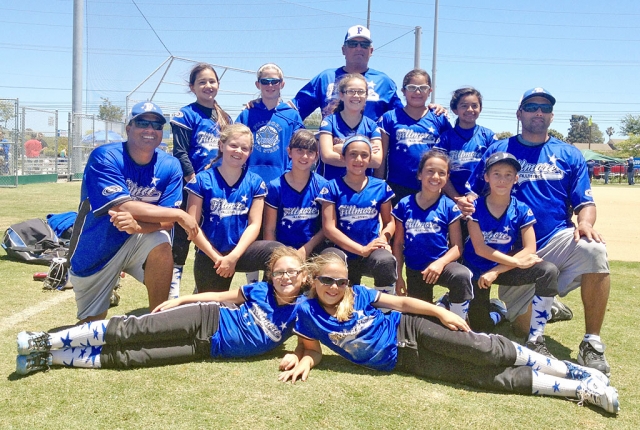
x: 32, y: 241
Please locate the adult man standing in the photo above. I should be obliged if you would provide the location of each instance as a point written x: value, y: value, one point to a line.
x: 554, y: 183
x: 630, y: 171
x: 131, y: 192
x: 322, y: 90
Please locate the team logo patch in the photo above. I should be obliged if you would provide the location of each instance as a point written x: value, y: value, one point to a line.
x: 267, y: 139
x: 588, y: 193
x: 148, y: 107
x: 107, y: 191
x: 324, y: 123
x: 324, y: 190
x: 179, y: 114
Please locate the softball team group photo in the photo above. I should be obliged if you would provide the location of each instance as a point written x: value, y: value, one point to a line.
x: 386, y: 189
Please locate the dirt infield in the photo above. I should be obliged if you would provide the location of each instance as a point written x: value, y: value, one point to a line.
x: 618, y: 210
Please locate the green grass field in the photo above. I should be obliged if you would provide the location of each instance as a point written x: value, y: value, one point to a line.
x: 245, y: 393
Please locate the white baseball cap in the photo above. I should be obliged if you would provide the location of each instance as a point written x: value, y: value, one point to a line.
x: 358, y: 31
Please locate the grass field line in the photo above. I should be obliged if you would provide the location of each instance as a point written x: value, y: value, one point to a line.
x: 10, y: 321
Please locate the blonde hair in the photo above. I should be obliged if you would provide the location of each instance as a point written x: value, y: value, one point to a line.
x: 227, y: 133
x: 269, y: 66
x: 315, y: 266
x: 284, y: 251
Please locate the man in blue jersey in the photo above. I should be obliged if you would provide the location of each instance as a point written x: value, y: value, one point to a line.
x: 131, y: 192
x: 322, y: 90
x: 554, y: 183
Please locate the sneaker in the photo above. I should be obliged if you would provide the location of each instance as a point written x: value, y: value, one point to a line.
x: 174, y: 289
x: 580, y: 373
x: 33, y: 341
x: 594, y: 392
x: 539, y: 346
x: 591, y: 354
x: 443, y: 301
x: 33, y: 362
x: 559, y: 311
x: 498, y: 306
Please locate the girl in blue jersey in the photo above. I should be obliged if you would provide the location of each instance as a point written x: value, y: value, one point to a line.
x: 407, y: 133
x: 502, y: 249
x: 466, y: 142
x: 272, y: 122
x: 229, y: 200
x: 426, y: 340
x: 429, y: 240
x: 249, y: 321
x: 347, y: 120
x: 356, y: 216
x: 196, y: 130
x: 292, y: 214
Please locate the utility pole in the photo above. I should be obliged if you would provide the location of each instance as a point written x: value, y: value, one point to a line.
x: 435, y: 55
x: 416, y: 55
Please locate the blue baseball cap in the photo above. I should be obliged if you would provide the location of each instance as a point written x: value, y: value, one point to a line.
x: 146, y: 107
x: 537, y: 92
x: 502, y: 157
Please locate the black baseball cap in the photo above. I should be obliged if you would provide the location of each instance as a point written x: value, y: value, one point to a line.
x: 502, y: 157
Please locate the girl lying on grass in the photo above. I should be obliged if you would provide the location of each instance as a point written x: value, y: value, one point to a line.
x: 425, y: 340
x: 252, y: 320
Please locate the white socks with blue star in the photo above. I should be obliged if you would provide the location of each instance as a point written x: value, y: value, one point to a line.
x: 176, y: 277
x: 460, y: 309
x: 83, y: 356
x: 539, y: 362
x: 547, y: 385
x: 540, y: 314
x: 87, y: 334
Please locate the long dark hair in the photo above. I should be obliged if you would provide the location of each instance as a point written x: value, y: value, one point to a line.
x: 337, y: 105
x: 223, y: 117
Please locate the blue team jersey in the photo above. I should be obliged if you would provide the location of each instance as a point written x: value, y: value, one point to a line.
x: 256, y: 326
x: 553, y: 182
x: 320, y: 91
x: 408, y: 140
x: 111, y: 178
x: 499, y: 233
x: 357, y: 212
x: 225, y: 208
x: 298, y: 212
x: 205, y: 134
x: 369, y: 338
x: 272, y: 130
x: 426, y: 231
x: 465, y: 149
x: 336, y: 127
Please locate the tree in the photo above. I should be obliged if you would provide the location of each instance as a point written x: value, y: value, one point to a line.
x: 579, y: 131
x: 503, y: 135
x: 630, y: 125
x: 556, y: 134
x: 312, y: 122
x: 109, y: 112
x: 629, y: 147
x: 7, y: 112
x: 610, y: 132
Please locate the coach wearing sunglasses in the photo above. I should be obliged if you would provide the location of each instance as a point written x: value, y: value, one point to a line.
x: 130, y: 194
x: 321, y: 90
x: 554, y: 183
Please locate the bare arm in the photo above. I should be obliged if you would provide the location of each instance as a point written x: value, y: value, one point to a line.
x: 433, y: 271
x: 311, y: 357
x: 397, y: 250
x: 269, y: 222
x: 376, y: 154
x: 586, y: 220
x: 194, y: 208
x: 152, y: 218
x: 420, y: 307
x: 327, y: 152
x: 234, y: 296
x: 382, y: 170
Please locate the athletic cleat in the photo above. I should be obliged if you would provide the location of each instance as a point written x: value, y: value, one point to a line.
x: 559, y: 311
x: 33, y: 362
x: 580, y: 373
x: 33, y: 341
x: 539, y: 346
x: 594, y: 392
x: 498, y: 306
x: 591, y: 354
x: 443, y: 301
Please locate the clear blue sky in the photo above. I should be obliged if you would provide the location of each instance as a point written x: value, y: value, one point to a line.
x: 585, y: 53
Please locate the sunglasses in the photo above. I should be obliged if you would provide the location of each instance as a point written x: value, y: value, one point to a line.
x: 354, y: 44
x: 413, y: 88
x: 353, y: 92
x: 328, y: 280
x: 289, y: 272
x: 533, y: 107
x: 269, y: 81
x: 144, y: 123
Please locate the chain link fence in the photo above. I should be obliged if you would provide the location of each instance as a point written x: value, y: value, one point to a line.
x: 89, y: 132
x: 9, y: 135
